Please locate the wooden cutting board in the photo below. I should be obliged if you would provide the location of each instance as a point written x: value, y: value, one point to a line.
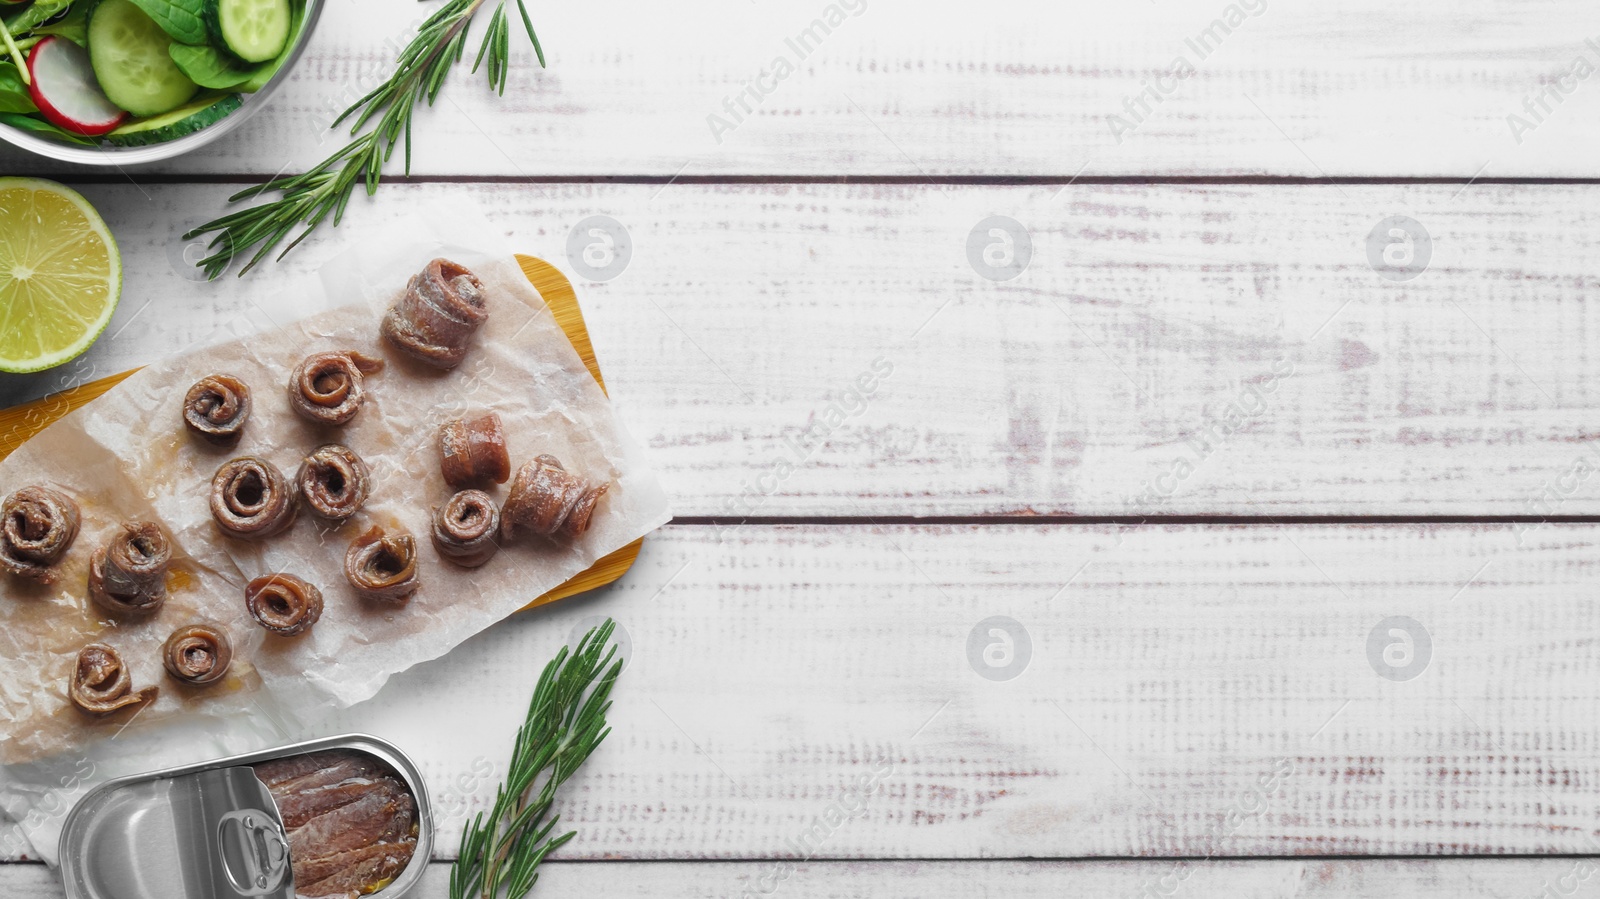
x: 19, y: 423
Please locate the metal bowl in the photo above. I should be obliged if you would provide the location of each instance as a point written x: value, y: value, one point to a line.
x: 109, y: 155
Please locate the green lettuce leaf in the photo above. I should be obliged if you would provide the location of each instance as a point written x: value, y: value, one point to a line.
x: 13, y: 93
x: 75, y: 27
x: 209, y: 67
x: 40, y: 126
x: 24, y: 22
x: 179, y: 18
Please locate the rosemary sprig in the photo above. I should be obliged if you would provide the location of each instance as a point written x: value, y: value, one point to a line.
x: 309, y: 198
x: 566, y: 721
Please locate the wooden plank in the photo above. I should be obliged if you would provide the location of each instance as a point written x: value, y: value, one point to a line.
x: 1189, y: 690
x: 1342, y: 878
x: 1148, y: 316
x: 1360, y: 87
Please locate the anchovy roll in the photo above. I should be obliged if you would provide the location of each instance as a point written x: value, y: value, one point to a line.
x: 283, y: 604
x: 334, y: 482
x: 473, y: 451
x: 37, y: 526
x: 327, y: 388
x: 382, y: 567
x: 250, y: 499
x: 198, y: 654
x: 217, y: 407
x: 434, y: 320
x: 549, y: 500
x: 101, y: 683
x: 466, y: 529
x: 129, y: 575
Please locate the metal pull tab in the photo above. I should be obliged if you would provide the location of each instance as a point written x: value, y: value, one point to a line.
x: 255, y: 853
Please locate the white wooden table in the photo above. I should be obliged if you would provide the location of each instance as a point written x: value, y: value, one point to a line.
x: 1201, y: 450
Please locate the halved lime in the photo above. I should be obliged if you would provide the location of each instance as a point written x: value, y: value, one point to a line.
x: 60, y: 274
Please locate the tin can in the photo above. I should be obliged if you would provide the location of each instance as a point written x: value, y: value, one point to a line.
x: 212, y: 830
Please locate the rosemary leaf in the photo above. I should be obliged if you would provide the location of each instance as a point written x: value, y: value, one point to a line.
x: 309, y: 198
x: 501, y: 852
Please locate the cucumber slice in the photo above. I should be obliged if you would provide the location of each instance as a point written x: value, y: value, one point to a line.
x: 129, y: 53
x: 266, y: 70
x: 186, y: 119
x: 254, y: 30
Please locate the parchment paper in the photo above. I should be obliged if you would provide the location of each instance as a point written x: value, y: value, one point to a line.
x: 127, y: 456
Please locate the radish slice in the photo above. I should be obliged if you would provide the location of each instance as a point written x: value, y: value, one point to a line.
x: 65, y: 90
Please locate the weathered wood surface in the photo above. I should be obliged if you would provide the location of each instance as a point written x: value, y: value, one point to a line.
x: 903, y: 88
x: 1190, y: 690
x: 1152, y: 323
x: 1223, y: 879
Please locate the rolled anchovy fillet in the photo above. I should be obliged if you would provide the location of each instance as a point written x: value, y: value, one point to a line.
x: 466, y: 529
x: 327, y: 388
x: 382, y: 567
x: 334, y: 482
x: 250, y: 499
x: 217, y: 408
x: 198, y: 654
x: 435, y: 318
x: 37, y: 527
x: 472, y: 451
x: 283, y: 604
x: 549, y: 500
x: 129, y: 574
x: 101, y: 683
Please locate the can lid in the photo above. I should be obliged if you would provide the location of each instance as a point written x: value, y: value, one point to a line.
x: 211, y: 833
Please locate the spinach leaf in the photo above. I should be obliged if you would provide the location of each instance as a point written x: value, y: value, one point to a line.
x: 28, y: 123
x: 179, y: 18
x: 74, y: 26
x: 42, y: 10
x: 13, y: 93
x: 209, y: 67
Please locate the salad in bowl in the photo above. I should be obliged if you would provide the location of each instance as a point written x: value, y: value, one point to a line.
x: 117, y: 81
